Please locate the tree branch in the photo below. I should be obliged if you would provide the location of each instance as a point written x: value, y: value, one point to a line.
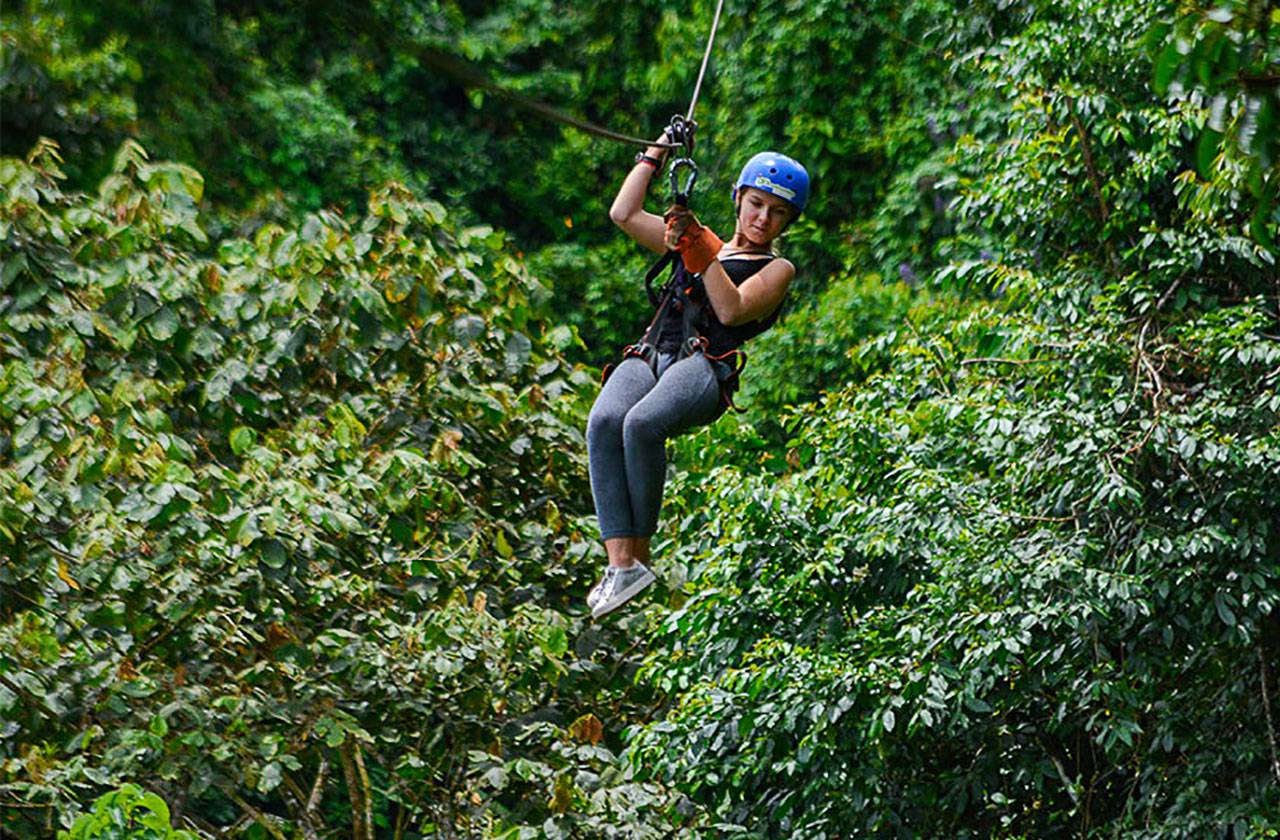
x: 1266, y: 707
x: 365, y: 791
x: 317, y: 789
x: 253, y: 812
x: 1164, y: 298
x: 1066, y: 782
x: 1003, y: 361
x: 933, y: 351
x: 1086, y: 149
x: 37, y: 702
x: 355, y: 792
x: 298, y: 802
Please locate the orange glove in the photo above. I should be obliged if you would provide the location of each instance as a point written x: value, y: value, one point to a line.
x: 697, y: 245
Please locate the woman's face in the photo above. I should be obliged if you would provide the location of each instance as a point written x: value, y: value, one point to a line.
x: 761, y: 215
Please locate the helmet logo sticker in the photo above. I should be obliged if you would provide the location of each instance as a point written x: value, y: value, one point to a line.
x: 764, y: 182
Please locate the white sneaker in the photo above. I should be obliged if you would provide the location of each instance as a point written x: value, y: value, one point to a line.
x: 593, y: 597
x: 620, y: 587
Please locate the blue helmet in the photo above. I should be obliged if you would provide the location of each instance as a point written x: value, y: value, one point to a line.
x: 776, y: 174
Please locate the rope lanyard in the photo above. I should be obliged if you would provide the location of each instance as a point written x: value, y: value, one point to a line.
x: 473, y: 77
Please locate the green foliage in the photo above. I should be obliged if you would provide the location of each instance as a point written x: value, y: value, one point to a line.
x: 1224, y: 59
x: 54, y: 84
x: 315, y: 501
x: 822, y: 347
x: 297, y: 500
x: 311, y: 106
x: 1022, y: 579
x: 608, y: 308
x: 126, y: 814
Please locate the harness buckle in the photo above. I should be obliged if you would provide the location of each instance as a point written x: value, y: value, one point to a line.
x: 642, y: 350
x: 694, y: 344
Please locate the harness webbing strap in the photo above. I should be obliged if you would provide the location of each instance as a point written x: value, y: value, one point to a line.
x: 653, y: 272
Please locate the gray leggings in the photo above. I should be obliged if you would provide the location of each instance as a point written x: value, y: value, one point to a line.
x: 627, y: 433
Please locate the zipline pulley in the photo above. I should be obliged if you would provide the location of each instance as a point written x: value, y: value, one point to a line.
x: 681, y: 131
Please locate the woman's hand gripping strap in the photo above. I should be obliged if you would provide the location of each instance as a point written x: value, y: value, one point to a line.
x: 697, y: 245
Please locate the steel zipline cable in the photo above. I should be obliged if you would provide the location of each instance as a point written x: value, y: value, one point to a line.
x: 472, y: 76
x: 706, y: 56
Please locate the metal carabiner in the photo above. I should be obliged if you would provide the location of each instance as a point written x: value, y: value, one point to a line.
x: 682, y: 192
x: 681, y: 130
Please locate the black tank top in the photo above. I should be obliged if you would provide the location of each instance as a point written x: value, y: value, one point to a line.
x: 720, y: 339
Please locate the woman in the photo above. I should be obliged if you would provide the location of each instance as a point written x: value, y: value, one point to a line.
x: 640, y: 407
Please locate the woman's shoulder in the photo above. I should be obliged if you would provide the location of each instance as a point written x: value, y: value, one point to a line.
x: 784, y: 265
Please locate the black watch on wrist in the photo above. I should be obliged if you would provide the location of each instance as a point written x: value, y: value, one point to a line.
x: 641, y: 157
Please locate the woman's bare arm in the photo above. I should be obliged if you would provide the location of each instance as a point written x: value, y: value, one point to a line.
x: 628, y: 210
x: 758, y: 295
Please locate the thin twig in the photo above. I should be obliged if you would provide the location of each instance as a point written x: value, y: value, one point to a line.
x: 70, y: 626
x: 299, y: 803
x: 1266, y: 707
x: 257, y: 815
x: 1095, y: 181
x: 1066, y: 782
x: 941, y: 362
x: 1155, y: 375
x: 1164, y: 298
x: 904, y: 39
x: 202, y: 827
x: 1003, y: 361
x: 1035, y: 518
x: 1141, y: 360
x: 404, y: 790
x: 22, y: 692
x: 146, y: 647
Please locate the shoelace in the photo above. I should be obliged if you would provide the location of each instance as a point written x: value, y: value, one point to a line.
x: 610, y: 583
x: 606, y: 583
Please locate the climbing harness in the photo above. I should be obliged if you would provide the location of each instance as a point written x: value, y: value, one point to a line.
x: 681, y: 288
x: 683, y: 292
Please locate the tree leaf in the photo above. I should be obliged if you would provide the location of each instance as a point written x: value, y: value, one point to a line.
x: 163, y: 324
x: 555, y: 641
x: 241, y: 438
x: 1207, y: 151
x: 1167, y: 64
x: 1224, y: 610
x: 271, y: 777
x: 310, y: 293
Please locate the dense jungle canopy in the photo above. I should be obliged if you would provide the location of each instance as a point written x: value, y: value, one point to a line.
x: 298, y: 336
